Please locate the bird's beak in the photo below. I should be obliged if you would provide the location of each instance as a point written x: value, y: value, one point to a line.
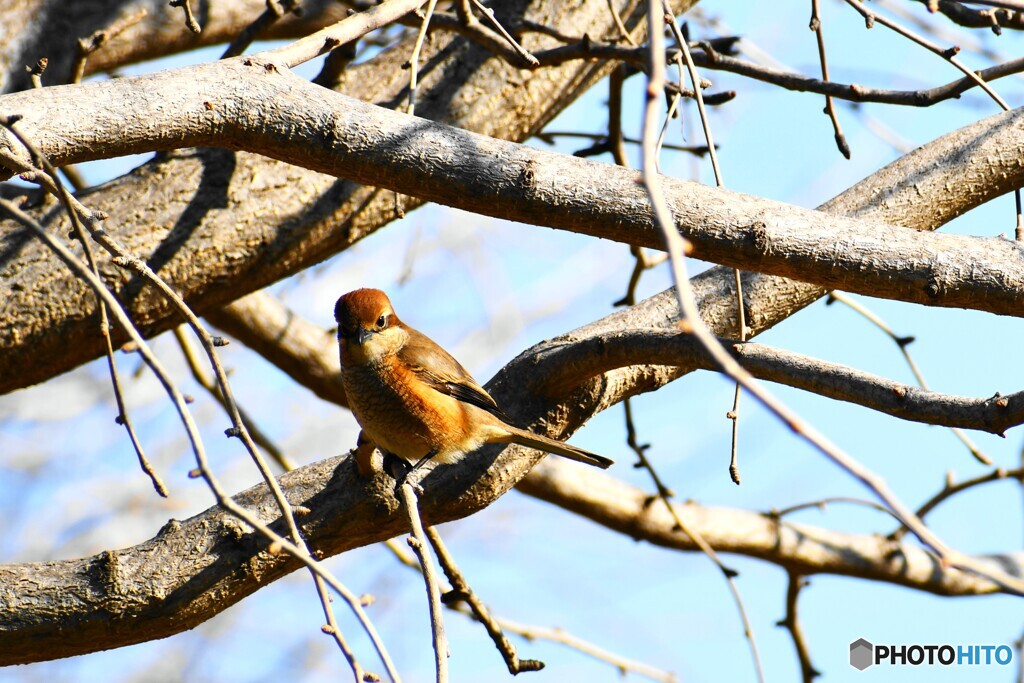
x: 363, y: 335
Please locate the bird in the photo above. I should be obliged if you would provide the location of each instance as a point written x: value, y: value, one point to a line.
x: 413, y: 399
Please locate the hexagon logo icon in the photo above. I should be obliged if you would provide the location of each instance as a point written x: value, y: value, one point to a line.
x: 862, y: 654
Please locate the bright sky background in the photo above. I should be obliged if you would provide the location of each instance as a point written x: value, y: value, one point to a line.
x: 486, y: 289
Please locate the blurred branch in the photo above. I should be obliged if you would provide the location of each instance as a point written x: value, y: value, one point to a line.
x: 791, y: 623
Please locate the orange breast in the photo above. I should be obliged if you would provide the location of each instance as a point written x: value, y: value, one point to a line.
x: 403, y: 415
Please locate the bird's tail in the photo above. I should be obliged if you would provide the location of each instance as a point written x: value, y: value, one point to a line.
x: 543, y: 443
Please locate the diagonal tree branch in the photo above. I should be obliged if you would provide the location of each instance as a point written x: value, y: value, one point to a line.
x: 196, y: 568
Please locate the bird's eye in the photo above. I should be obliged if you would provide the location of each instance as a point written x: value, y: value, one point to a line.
x: 382, y: 321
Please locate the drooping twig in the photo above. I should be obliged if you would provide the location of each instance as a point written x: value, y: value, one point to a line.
x: 691, y: 322
x: 461, y: 592
x: 418, y: 542
x: 190, y: 19
x: 47, y: 177
x: 90, y: 220
x: 792, y: 624
x: 741, y: 320
x: 830, y: 110
x: 902, y: 342
x: 655, y: 79
x: 200, y: 376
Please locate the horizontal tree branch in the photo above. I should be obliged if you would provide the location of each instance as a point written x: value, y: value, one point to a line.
x: 705, y: 56
x: 195, y: 568
x: 248, y: 104
x: 308, y: 354
x: 219, y: 225
x: 563, y: 366
x: 251, y: 104
x: 795, y: 547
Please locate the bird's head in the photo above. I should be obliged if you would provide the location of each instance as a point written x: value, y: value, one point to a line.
x: 368, y: 328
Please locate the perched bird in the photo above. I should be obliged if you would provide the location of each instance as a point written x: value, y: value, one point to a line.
x: 413, y: 399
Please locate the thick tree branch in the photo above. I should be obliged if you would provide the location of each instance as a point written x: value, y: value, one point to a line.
x: 248, y: 103
x: 564, y: 366
x: 219, y: 225
x: 50, y: 28
x: 196, y: 568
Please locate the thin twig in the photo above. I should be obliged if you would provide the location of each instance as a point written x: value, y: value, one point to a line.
x: 605, y: 144
x: 821, y: 504
x: 93, y: 42
x: 949, y: 54
x: 48, y: 172
x: 414, y: 59
x: 331, y: 628
x: 345, y: 31
x: 656, y: 14
x: 254, y: 30
x: 617, y: 18
x: 792, y: 624
x: 418, y: 542
x: 952, y: 488
x: 190, y: 19
x: 461, y: 591
x: 414, y: 70
x: 903, y: 342
x: 523, y: 53
x: 830, y: 110
x: 556, y: 635
x: 615, y: 140
x: 741, y: 321
x: 123, y: 258
x: 692, y: 323
x: 200, y: 376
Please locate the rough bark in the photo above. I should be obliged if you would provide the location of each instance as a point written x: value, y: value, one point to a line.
x: 196, y: 568
x: 249, y: 104
x: 218, y: 225
x: 51, y: 28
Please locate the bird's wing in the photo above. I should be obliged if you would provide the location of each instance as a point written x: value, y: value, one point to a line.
x: 441, y: 372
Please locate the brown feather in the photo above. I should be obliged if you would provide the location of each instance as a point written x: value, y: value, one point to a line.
x: 438, y: 369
